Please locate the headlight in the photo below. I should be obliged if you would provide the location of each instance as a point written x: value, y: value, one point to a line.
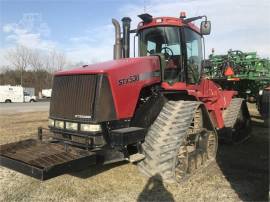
x: 71, y: 126
x: 248, y: 91
x: 90, y: 127
x: 51, y: 122
x: 59, y: 124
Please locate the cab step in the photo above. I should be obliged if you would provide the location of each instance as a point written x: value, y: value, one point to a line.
x: 136, y: 157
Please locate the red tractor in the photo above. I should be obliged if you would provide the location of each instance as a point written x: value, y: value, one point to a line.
x: 155, y: 109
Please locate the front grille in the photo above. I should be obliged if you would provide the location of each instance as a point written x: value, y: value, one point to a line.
x: 73, y: 95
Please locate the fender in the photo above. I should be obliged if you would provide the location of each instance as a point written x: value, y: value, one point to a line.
x: 214, y: 98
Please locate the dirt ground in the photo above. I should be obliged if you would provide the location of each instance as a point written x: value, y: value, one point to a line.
x: 241, y: 173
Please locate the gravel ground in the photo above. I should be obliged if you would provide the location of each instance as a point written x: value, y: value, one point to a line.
x: 240, y: 173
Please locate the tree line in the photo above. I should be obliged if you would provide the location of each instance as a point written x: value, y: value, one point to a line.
x: 31, y: 67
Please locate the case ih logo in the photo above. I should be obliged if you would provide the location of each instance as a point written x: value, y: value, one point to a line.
x: 82, y: 116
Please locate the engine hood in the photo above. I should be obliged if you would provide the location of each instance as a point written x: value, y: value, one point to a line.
x: 126, y: 78
x: 112, y: 65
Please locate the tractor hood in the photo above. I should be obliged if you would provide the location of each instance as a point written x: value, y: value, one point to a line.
x: 140, y: 64
x: 104, y: 91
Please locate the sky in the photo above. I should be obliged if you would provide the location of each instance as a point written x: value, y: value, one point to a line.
x: 82, y: 29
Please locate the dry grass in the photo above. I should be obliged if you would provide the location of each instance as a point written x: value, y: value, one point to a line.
x: 21, y: 126
x: 239, y: 174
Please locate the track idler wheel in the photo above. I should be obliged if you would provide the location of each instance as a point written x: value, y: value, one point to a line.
x: 198, y: 150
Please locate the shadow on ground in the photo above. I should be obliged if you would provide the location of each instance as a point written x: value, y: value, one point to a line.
x: 153, y: 186
x: 246, y: 166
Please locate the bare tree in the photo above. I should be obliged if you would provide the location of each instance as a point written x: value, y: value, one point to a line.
x: 4, y: 68
x: 36, y: 60
x: 56, y: 61
x: 19, y: 58
x: 61, y: 61
x: 50, y: 61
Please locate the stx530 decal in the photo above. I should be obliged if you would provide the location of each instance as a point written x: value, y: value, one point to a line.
x: 130, y: 79
x: 135, y: 78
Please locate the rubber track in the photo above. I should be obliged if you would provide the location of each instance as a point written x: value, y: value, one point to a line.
x: 165, y: 137
x: 231, y: 113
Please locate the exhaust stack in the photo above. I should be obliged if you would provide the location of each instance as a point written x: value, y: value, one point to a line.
x: 126, y: 36
x: 117, y: 48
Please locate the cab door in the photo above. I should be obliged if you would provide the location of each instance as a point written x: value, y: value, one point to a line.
x: 192, y: 45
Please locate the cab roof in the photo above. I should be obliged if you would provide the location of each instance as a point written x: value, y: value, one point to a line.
x: 167, y: 21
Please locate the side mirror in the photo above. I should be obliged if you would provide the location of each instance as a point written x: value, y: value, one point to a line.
x: 205, y: 27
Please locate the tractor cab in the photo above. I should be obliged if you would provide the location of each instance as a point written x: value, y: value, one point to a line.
x: 179, y: 42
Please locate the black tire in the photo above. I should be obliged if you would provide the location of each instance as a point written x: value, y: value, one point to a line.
x: 32, y: 100
x: 8, y: 101
x: 165, y: 146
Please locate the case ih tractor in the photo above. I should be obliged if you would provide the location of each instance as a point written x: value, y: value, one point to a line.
x: 155, y: 109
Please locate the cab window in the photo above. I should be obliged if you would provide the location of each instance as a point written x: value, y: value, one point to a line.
x: 165, y: 40
x: 194, y: 55
x: 151, y: 47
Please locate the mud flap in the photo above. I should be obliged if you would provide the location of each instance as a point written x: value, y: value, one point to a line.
x: 44, y: 160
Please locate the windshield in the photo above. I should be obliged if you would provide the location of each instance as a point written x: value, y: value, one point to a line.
x: 167, y: 40
x: 164, y: 40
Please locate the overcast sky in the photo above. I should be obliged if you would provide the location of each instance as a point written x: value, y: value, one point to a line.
x: 82, y: 29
